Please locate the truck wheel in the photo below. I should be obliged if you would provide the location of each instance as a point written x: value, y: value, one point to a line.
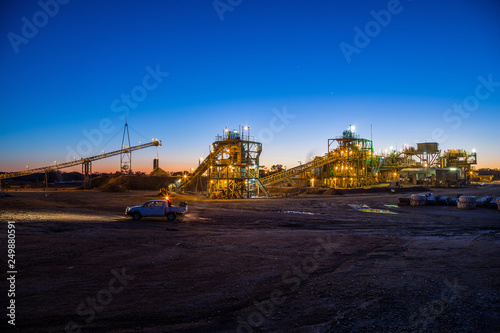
x: 136, y: 216
x: 171, y: 216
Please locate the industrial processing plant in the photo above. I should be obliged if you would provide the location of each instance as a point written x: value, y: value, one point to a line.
x: 231, y: 170
x: 304, y: 166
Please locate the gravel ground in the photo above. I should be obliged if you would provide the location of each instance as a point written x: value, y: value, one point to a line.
x: 309, y: 263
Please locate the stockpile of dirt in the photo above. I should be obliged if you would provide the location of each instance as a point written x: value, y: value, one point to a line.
x: 114, y: 184
x: 100, y: 180
x: 158, y: 172
x: 316, y: 190
x: 123, y: 183
x: 333, y: 191
x: 337, y: 191
x: 287, y: 192
x: 149, y: 183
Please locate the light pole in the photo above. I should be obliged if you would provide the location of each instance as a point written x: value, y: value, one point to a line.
x: 248, y: 132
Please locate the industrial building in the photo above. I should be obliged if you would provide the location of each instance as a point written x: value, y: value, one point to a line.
x: 232, y: 167
x: 231, y: 170
x: 355, y: 165
x: 426, y: 165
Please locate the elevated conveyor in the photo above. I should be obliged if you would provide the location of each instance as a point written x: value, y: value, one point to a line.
x: 203, y: 166
x: 83, y: 161
x: 280, y: 176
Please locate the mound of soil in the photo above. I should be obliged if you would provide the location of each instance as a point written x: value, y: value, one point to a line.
x: 114, y: 184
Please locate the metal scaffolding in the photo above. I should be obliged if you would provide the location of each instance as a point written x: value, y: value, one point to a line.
x: 426, y: 155
x: 426, y: 165
x: 350, y: 162
x: 355, y: 164
x: 462, y: 160
x: 126, y: 155
x: 232, y: 167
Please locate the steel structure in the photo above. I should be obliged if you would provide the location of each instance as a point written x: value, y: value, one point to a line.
x: 462, y: 160
x: 458, y: 158
x: 232, y: 167
x: 426, y: 163
x: 319, y: 161
x: 85, y: 162
x: 356, y: 164
x: 126, y: 156
x: 426, y: 155
x: 351, y: 163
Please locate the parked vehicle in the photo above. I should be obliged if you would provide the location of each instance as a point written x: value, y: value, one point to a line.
x: 157, y: 208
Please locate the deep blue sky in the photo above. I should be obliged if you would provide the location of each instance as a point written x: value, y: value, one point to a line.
x: 264, y: 56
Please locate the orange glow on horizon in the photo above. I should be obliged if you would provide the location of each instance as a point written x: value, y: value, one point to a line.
x: 142, y: 165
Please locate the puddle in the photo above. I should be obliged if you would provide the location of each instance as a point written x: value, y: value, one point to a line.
x: 296, y: 212
x: 392, y: 206
x: 194, y: 218
x: 367, y: 209
x: 354, y: 206
x: 374, y: 210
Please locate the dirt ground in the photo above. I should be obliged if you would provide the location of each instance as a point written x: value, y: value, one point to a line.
x: 310, y: 263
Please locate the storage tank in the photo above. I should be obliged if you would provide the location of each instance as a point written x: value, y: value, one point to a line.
x: 428, y: 147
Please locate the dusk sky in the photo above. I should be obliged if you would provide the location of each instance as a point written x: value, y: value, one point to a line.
x: 296, y: 72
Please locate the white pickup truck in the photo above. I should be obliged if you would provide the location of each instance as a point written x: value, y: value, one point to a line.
x: 157, y: 208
